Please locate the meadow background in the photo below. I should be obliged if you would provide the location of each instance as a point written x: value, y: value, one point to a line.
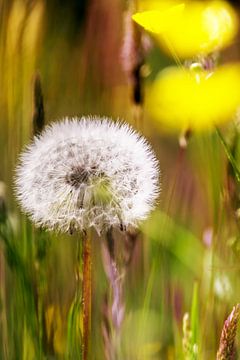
x: 186, y: 257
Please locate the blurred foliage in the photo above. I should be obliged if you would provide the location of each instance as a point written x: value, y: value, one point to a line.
x: 192, y: 237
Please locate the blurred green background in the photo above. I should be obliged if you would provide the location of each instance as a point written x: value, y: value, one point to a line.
x: 190, y: 244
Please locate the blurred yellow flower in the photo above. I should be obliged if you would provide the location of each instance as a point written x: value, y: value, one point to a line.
x: 161, y: 20
x: 190, y: 29
x: 145, y: 5
x: 194, y: 99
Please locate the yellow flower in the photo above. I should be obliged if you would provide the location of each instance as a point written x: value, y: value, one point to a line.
x: 194, y: 99
x: 145, y: 5
x: 161, y: 20
x: 190, y: 29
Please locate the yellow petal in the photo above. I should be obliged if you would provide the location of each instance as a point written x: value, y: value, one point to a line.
x: 196, y: 28
x: 182, y: 99
x: 157, y: 21
x: 146, y: 5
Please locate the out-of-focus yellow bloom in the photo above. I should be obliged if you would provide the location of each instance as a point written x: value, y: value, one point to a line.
x: 190, y: 29
x: 194, y: 99
x: 160, y: 21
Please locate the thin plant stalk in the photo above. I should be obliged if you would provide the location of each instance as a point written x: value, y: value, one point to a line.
x: 86, y: 293
x: 81, y: 306
x: 114, y: 309
x: 74, y: 349
x: 132, y: 62
x: 38, y: 122
x: 3, y: 317
x: 38, y: 116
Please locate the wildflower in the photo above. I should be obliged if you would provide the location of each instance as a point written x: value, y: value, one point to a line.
x: 164, y: 5
x: 190, y: 29
x: 160, y: 19
x: 226, y: 348
x: 87, y: 172
x: 195, y: 99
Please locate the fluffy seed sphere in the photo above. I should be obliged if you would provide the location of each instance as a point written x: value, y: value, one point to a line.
x: 87, y: 172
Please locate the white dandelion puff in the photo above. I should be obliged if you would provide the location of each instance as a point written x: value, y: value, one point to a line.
x: 87, y: 172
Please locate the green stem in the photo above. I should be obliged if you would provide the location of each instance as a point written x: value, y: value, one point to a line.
x: 229, y: 155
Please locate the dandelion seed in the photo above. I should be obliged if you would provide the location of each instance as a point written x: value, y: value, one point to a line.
x: 87, y: 172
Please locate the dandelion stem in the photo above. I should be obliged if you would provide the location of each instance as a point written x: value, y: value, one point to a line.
x: 86, y: 293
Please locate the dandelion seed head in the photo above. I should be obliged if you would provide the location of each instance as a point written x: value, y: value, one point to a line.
x: 87, y: 172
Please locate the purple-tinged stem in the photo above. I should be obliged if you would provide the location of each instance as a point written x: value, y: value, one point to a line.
x: 226, y: 349
x: 86, y: 294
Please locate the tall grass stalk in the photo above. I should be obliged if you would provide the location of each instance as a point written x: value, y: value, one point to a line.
x: 86, y: 294
x: 227, y: 349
